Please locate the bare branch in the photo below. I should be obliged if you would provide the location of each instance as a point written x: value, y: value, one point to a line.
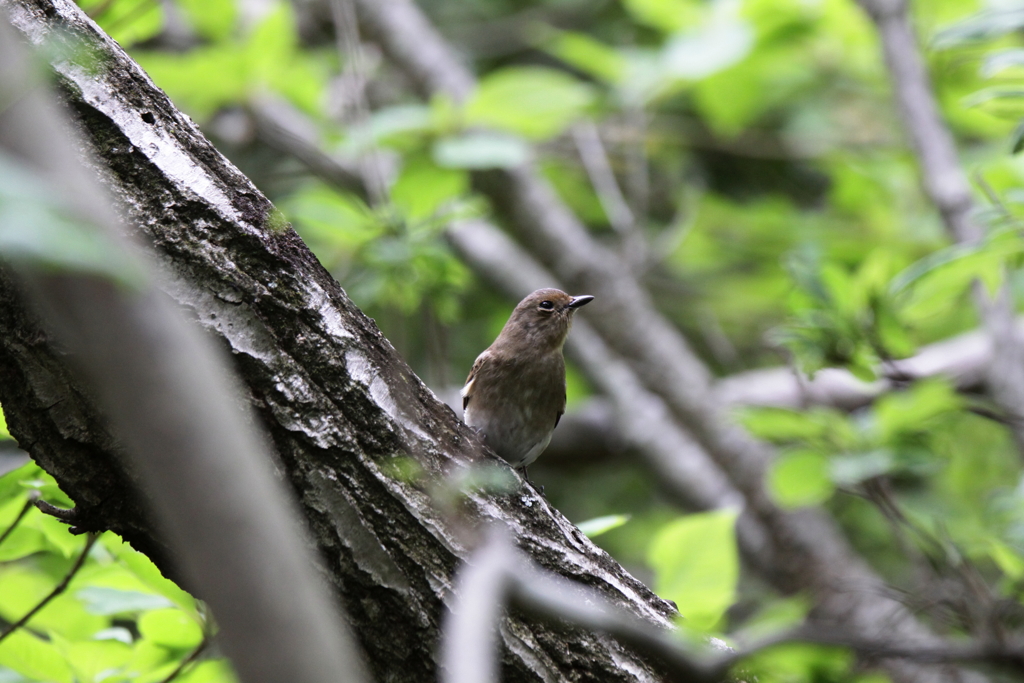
x: 415, y: 44
x: 350, y: 50
x: 17, y: 520
x: 277, y: 132
x: 469, y: 640
x: 497, y: 574
x: 192, y: 656
x: 57, y: 590
x: 595, y: 161
x: 963, y: 360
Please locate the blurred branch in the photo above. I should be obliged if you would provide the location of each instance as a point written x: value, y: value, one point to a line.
x: 599, y: 169
x: 277, y: 131
x: 497, y: 574
x: 414, y: 44
x: 623, y: 221
x: 346, y: 31
x: 963, y: 359
x: 948, y: 187
x: 1005, y: 655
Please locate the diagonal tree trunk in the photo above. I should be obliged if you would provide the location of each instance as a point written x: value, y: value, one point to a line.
x: 343, y: 411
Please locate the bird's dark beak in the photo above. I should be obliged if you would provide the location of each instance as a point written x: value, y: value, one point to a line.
x: 578, y: 301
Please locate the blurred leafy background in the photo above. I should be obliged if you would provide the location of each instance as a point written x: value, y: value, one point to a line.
x: 760, y: 156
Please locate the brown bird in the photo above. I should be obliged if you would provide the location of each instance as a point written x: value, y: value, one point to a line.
x: 515, y: 393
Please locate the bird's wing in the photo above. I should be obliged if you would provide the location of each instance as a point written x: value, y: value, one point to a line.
x: 467, y: 391
x: 561, y: 411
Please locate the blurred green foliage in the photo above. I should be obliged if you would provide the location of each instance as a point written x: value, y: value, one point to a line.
x: 787, y: 224
x: 118, y: 620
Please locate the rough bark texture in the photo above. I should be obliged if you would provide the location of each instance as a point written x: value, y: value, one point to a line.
x: 340, y: 406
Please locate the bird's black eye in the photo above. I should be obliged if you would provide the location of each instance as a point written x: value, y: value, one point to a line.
x: 547, y: 305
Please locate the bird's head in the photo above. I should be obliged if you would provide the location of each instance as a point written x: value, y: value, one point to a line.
x: 542, y: 320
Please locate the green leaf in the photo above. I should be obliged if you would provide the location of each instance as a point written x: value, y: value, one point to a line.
x: 984, y: 25
x: 4, y: 434
x: 480, y: 150
x: 915, y: 409
x: 697, y: 55
x: 798, y: 662
x: 34, y: 658
x: 1002, y: 59
x: 777, y: 616
x: 170, y: 628
x: 851, y: 469
x: 150, y: 662
x: 111, y: 601
x: 535, y: 102
x: 211, y: 671
x: 95, y: 660
x: 697, y: 565
x: 1009, y: 562
x: 213, y: 19
x: 48, y: 489
x: 392, y: 126
x: 230, y: 72
x: 781, y: 425
x: 588, y: 55
x: 423, y: 188
x: 331, y: 219
x: 201, y: 81
x: 127, y: 21
x: 144, y: 569
x: 11, y: 485
x: 932, y: 284
x: 668, y: 16
x: 599, y: 525
x: 1017, y: 139
x: 22, y: 542
x: 22, y: 588
x: 58, y: 535
x: 800, y: 478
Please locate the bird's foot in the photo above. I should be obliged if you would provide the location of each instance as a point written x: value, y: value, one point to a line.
x: 536, y: 487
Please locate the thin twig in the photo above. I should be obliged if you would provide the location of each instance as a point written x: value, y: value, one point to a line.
x: 188, y: 660
x: 21, y: 515
x: 346, y: 31
x: 60, y: 588
x: 599, y: 169
x: 609, y: 194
